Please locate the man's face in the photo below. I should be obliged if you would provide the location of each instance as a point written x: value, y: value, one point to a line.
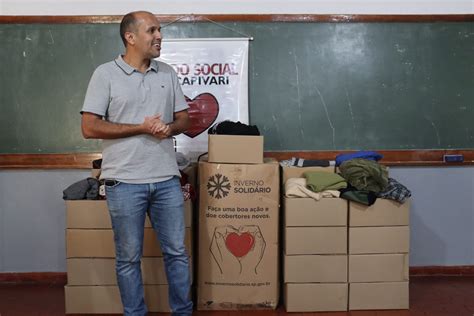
x: 148, y: 36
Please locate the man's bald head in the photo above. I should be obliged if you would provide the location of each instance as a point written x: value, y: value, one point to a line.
x: 130, y: 23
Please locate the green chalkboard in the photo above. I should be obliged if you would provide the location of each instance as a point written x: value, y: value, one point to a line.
x: 312, y: 86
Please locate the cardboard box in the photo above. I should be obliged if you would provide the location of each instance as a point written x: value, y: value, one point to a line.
x: 309, y: 212
x: 235, y: 149
x: 315, y: 269
x: 95, y: 214
x: 315, y: 240
x: 238, y: 236
x: 297, y: 172
x: 99, y: 243
x: 382, y: 213
x: 386, y: 295
x: 101, y: 271
x: 315, y: 297
x: 106, y: 299
x: 378, y: 268
x: 389, y: 239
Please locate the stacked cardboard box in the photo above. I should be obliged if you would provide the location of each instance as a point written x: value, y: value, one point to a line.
x: 238, y: 226
x: 92, y: 285
x: 315, y: 258
x: 235, y: 149
x: 378, y: 255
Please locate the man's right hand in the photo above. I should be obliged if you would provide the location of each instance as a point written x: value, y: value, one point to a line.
x: 154, y: 126
x: 152, y: 123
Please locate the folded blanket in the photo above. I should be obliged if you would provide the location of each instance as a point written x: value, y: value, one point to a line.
x: 318, y: 181
x: 296, y: 187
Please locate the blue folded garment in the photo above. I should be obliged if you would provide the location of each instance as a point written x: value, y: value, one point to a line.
x: 370, y: 155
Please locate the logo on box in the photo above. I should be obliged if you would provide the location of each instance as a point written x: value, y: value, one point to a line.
x: 237, y: 249
x: 218, y: 186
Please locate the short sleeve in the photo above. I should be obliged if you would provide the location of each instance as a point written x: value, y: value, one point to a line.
x: 180, y: 103
x: 98, y: 93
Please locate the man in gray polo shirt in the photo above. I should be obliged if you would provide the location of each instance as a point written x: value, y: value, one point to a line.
x: 135, y: 104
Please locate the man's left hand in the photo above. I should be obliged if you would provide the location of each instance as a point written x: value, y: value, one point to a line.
x: 162, y: 131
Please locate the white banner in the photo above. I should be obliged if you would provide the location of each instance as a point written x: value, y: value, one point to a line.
x: 213, y: 73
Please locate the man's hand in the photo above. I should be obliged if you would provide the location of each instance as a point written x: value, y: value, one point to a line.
x: 227, y: 262
x: 154, y: 126
x: 251, y: 261
x: 162, y: 131
x: 151, y: 123
x: 180, y: 124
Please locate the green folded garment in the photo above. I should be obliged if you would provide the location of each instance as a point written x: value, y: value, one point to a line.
x: 366, y: 175
x: 319, y: 181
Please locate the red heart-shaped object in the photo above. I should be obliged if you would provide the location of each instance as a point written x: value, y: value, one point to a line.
x: 203, y: 111
x: 239, y: 245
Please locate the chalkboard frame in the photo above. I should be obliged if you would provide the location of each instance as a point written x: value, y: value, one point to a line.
x: 391, y: 158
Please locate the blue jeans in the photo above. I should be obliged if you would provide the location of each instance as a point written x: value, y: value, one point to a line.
x: 128, y: 205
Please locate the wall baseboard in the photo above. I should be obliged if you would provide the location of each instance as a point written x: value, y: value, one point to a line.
x: 442, y: 271
x: 50, y: 278
x: 60, y: 278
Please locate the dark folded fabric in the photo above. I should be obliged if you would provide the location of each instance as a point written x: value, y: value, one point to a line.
x: 370, y: 155
x: 87, y: 189
x: 352, y: 194
x: 395, y: 191
x: 233, y: 128
x: 300, y: 162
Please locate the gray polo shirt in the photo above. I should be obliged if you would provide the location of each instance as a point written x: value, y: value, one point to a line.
x: 122, y: 94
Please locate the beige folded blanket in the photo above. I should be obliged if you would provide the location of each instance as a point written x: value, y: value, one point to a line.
x: 296, y: 187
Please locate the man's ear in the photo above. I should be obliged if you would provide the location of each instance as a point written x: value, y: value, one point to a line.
x: 130, y: 38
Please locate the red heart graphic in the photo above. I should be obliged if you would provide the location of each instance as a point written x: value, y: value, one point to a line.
x: 203, y: 111
x: 239, y: 245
